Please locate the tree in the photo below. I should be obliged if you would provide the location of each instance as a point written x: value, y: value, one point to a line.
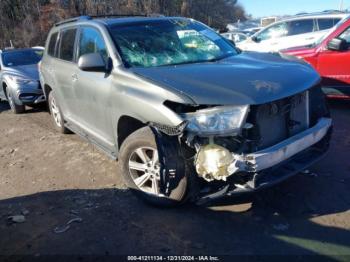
x: 27, y: 22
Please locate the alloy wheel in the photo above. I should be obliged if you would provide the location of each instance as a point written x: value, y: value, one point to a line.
x: 144, y: 169
x: 55, y: 112
x: 11, y: 102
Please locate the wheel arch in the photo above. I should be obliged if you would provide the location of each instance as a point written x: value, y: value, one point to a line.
x: 4, y: 88
x: 47, y: 89
x: 126, y: 126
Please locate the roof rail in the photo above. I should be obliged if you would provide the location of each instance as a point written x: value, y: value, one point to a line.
x: 126, y: 15
x: 74, y: 19
x: 90, y: 17
x: 325, y: 12
x: 117, y: 15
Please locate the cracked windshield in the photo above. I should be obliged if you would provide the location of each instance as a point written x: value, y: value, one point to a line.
x: 162, y: 43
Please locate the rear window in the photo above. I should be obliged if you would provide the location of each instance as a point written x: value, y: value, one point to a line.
x: 52, y: 44
x: 67, y: 44
x: 301, y: 27
x: 327, y: 23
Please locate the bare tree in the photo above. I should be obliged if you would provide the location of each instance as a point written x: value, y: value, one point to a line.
x: 27, y: 22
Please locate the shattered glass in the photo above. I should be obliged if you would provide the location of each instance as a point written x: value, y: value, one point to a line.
x: 169, y: 42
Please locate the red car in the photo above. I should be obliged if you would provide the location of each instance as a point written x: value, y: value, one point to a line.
x: 330, y: 56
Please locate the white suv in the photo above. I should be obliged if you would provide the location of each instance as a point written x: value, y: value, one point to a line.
x: 299, y: 30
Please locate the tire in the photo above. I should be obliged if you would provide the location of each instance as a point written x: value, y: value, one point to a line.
x: 56, y: 113
x: 15, y: 108
x: 142, y: 142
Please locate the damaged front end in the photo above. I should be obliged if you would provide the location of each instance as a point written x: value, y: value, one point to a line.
x: 228, y: 150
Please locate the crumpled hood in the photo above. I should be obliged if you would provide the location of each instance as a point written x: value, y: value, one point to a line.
x: 25, y: 71
x: 247, y: 78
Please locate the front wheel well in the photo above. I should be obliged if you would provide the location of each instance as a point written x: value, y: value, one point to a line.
x: 4, y: 87
x: 47, y: 90
x: 126, y: 126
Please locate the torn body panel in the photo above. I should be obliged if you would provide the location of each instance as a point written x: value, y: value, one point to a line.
x: 173, y: 159
x: 215, y: 162
x: 278, y: 140
x: 225, y: 194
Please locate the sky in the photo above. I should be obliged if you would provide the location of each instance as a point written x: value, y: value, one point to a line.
x: 259, y: 8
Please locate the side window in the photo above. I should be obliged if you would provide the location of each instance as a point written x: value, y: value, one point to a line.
x: 67, y: 44
x: 346, y: 35
x: 327, y: 23
x: 52, y: 44
x: 298, y: 27
x: 275, y: 31
x: 91, y: 41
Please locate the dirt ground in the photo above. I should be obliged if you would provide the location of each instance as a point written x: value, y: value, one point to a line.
x: 51, y: 179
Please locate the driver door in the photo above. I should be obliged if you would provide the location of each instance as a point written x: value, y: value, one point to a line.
x: 334, y: 66
x: 92, y: 91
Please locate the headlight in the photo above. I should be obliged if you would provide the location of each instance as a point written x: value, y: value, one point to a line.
x: 22, y: 81
x: 218, y: 120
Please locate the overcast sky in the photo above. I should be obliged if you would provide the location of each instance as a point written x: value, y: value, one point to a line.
x: 260, y: 8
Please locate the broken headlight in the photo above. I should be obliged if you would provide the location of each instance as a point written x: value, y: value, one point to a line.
x: 20, y: 80
x: 221, y: 120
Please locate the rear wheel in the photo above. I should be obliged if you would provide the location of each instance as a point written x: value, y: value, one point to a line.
x: 139, y: 165
x: 56, y: 114
x: 15, y: 108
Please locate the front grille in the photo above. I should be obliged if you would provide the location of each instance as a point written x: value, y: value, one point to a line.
x: 276, y: 121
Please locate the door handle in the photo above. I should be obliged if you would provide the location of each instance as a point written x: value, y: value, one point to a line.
x: 74, y: 77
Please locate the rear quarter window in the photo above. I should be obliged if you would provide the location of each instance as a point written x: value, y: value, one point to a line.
x: 67, y: 44
x: 327, y: 23
x: 52, y: 44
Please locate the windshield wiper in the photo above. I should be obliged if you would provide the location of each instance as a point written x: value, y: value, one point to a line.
x: 200, y: 61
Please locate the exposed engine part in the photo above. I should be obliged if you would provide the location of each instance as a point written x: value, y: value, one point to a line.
x: 217, y: 163
x: 278, y: 120
x: 213, y: 162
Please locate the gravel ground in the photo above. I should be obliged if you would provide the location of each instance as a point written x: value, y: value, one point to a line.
x: 73, y: 202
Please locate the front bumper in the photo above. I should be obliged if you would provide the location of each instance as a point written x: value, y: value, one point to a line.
x: 31, y: 99
x: 274, y: 164
x: 276, y: 154
x: 337, y: 92
x: 30, y: 96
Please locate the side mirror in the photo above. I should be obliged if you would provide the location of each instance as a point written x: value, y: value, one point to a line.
x: 93, y: 62
x: 255, y: 39
x: 337, y: 44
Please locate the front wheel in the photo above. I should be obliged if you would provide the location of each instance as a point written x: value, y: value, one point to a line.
x: 15, y: 108
x: 139, y: 165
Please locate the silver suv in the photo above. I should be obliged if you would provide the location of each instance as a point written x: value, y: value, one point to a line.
x: 187, y: 115
x: 19, y: 78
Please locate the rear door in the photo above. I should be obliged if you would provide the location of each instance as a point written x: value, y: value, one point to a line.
x: 300, y: 33
x: 334, y: 66
x: 64, y: 66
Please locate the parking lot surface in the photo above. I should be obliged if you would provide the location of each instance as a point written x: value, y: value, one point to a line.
x: 60, y: 195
